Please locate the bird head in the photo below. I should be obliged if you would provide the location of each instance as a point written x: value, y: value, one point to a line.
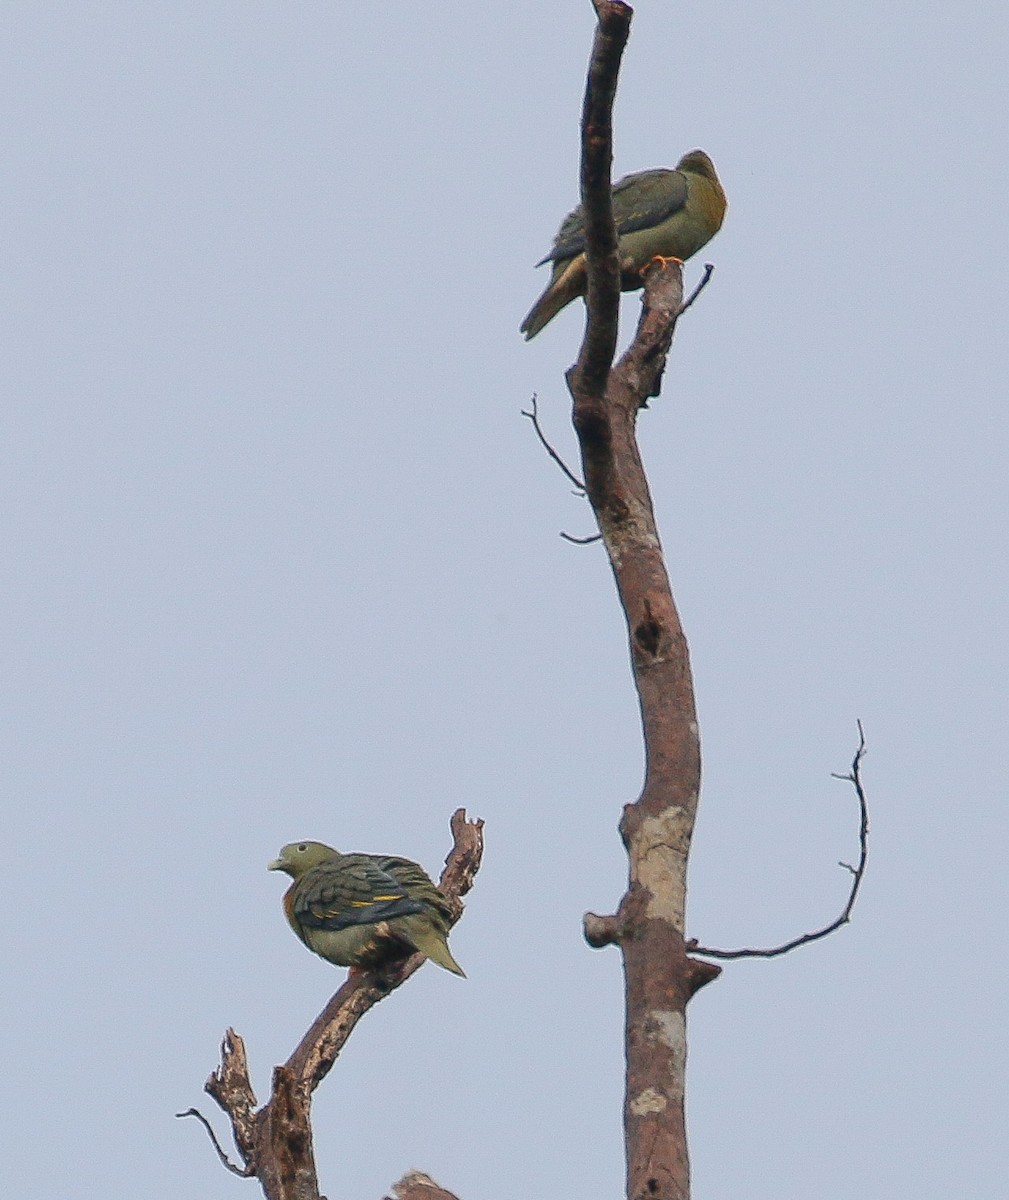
x: 697, y: 163
x: 298, y: 857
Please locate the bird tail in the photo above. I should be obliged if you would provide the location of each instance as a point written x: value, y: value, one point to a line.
x: 432, y: 942
x: 560, y: 291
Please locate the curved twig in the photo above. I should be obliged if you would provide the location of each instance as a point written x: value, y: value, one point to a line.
x: 854, y: 777
x: 245, y: 1172
x: 535, y: 418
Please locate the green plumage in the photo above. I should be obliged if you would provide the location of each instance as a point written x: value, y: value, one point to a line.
x: 358, y: 910
x: 660, y: 213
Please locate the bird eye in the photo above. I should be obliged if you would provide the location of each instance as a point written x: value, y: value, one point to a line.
x: 302, y: 848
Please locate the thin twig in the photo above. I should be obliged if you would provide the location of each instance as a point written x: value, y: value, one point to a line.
x: 708, y: 271
x: 854, y: 777
x: 534, y: 417
x: 241, y: 1172
x: 585, y: 541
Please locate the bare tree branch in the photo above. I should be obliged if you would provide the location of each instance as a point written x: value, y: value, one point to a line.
x: 231, y: 1087
x: 534, y: 417
x: 581, y: 541
x: 854, y: 777
x: 703, y: 283
x: 603, y: 263
x: 245, y: 1172
x: 657, y: 828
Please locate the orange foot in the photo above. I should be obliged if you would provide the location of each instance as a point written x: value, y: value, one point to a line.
x: 662, y: 261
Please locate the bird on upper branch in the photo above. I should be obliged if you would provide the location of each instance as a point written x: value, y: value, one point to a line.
x: 359, y: 910
x: 658, y: 214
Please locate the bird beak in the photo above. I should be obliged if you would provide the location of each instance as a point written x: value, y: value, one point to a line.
x: 276, y: 865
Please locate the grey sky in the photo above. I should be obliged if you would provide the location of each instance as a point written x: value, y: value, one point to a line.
x: 282, y: 561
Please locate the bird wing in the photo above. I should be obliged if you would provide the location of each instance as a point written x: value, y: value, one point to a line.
x: 416, y: 882
x: 640, y: 201
x: 350, y: 890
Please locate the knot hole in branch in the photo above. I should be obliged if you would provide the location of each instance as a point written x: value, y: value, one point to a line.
x: 648, y: 633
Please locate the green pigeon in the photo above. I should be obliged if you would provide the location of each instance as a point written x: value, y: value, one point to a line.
x: 358, y: 910
x: 658, y: 214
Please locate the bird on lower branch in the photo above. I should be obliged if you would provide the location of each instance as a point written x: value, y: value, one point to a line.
x: 360, y: 910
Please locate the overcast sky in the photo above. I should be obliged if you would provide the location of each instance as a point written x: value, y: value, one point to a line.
x: 282, y: 561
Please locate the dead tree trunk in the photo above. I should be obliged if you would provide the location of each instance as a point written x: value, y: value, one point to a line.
x: 657, y: 828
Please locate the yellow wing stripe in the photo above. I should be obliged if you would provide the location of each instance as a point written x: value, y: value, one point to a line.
x: 374, y: 900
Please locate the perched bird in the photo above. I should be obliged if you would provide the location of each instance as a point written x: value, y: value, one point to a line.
x: 357, y: 910
x: 660, y: 213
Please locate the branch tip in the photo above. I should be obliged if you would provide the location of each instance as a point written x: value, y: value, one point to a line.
x: 708, y: 272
